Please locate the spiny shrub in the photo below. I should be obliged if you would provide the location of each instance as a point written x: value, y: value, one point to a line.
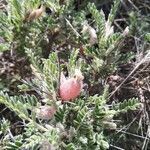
x: 49, y: 120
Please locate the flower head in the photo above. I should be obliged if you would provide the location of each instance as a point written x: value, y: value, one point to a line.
x: 70, y: 88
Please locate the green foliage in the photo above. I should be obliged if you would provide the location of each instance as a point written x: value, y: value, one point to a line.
x: 73, y: 62
x: 4, y: 126
x: 109, y: 41
x: 51, y: 71
x: 99, y: 17
x: 126, y: 104
x: 113, y: 11
x: 147, y: 37
x: 78, y: 124
x: 81, y: 123
x: 20, y: 104
x: 19, y: 33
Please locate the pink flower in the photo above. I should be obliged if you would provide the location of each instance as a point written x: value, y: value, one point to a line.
x: 70, y: 88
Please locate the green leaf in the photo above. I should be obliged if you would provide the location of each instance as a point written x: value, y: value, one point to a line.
x: 130, y: 104
x: 113, y: 11
x: 70, y: 146
x: 147, y: 37
x: 4, y: 47
x: 99, y: 17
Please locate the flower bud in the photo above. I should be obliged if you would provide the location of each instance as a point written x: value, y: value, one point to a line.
x: 46, y: 112
x: 92, y: 32
x: 126, y: 31
x: 70, y: 88
x: 35, y: 14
